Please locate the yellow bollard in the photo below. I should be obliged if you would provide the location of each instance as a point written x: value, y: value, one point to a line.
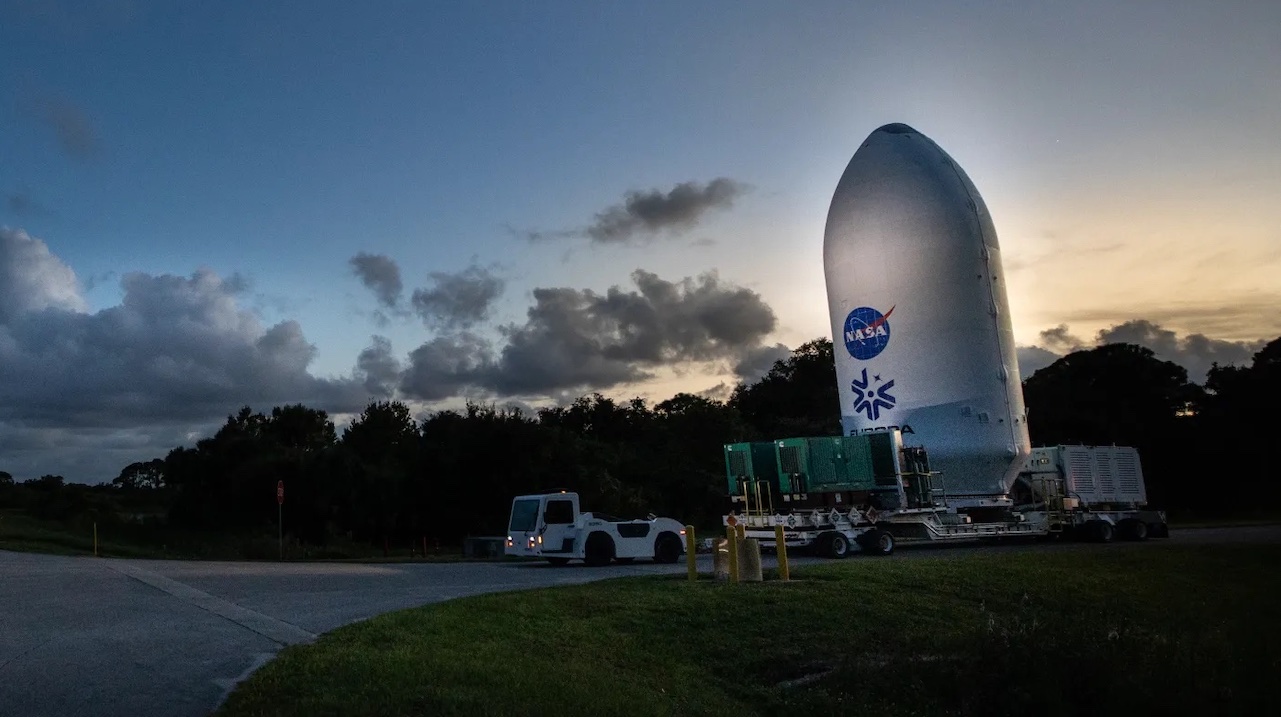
x: 731, y: 536
x: 781, y: 547
x: 95, y: 539
x: 691, y: 553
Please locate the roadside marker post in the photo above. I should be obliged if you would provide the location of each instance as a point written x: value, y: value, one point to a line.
x: 731, y: 537
x: 781, y: 548
x: 280, y: 514
x: 691, y: 556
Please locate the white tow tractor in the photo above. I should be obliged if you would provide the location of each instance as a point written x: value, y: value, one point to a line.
x: 550, y: 526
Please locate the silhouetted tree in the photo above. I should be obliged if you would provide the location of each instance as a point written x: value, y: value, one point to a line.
x: 1120, y: 394
x: 144, y: 475
x: 46, y: 483
x: 798, y: 396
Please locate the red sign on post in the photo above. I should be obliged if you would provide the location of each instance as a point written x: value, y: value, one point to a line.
x: 280, y: 492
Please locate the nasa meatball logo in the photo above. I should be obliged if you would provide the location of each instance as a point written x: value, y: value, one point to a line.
x: 867, y: 332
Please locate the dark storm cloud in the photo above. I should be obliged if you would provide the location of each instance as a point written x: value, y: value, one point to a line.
x: 645, y: 214
x: 445, y: 366
x: 581, y: 339
x: 1240, y: 315
x: 1060, y: 340
x: 1034, y: 358
x: 720, y: 392
x: 460, y: 300
x: 379, y: 274
x: 757, y: 362
x: 81, y: 391
x: 653, y: 211
x: 86, y: 454
x: 176, y: 349
x: 575, y: 339
x: 71, y: 127
x: 377, y: 369
x: 1194, y: 352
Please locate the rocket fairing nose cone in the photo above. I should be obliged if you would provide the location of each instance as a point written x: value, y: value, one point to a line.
x: 896, y: 128
x: 920, y: 320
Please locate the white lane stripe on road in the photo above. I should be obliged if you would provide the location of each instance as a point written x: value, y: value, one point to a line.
x: 278, y: 631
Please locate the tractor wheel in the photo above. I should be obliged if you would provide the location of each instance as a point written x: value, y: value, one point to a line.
x: 599, y: 550
x: 667, y: 548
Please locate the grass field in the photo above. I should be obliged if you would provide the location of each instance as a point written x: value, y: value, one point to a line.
x: 1122, y: 629
x: 22, y: 532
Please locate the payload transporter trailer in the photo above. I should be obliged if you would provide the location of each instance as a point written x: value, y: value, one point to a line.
x: 832, y: 493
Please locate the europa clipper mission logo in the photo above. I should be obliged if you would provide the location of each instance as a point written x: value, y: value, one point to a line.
x: 867, y: 333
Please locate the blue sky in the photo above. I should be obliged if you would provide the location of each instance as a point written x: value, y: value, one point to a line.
x: 1128, y: 156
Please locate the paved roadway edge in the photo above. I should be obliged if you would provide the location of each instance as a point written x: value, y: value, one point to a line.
x: 278, y: 631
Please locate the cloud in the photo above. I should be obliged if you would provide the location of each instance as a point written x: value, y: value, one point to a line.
x: 32, y: 279
x: 757, y: 362
x: 177, y: 354
x: 71, y: 127
x: 574, y: 340
x: 1034, y: 358
x: 651, y: 212
x: 1194, y: 352
x: 379, y: 274
x: 1060, y: 340
x: 445, y: 366
x: 720, y: 392
x: 176, y: 348
x: 377, y: 369
x: 1240, y: 316
x: 22, y: 204
x: 645, y: 214
x: 457, y: 300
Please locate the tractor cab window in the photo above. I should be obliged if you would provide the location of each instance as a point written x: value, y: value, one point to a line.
x: 524, y: 515
x: 559, y: 512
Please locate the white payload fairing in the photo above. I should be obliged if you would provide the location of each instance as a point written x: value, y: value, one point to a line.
x: 920, y: 321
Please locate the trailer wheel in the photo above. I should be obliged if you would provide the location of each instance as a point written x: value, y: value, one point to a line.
x: 599, y: 549
x: 667, y: 548
x: 838, y: 546
x: 1100, y: 531
x: 1134, y: 529
x: 881, y: 542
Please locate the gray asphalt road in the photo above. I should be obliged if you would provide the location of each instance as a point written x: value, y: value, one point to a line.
x: 87, y: 637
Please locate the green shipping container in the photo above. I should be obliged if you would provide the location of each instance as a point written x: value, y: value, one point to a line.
x: 831, y: 463
x: 750, y: 462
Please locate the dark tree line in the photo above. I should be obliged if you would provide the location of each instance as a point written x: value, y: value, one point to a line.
x: 1203, y: 448
x: 454, y: 473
